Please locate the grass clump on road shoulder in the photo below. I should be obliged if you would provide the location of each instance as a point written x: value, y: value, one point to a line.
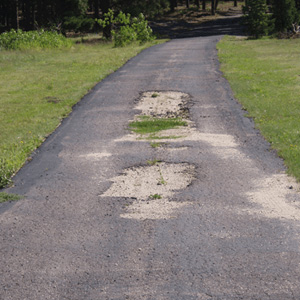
x: 265, y: 77
x: 4, y: 197
x: 39, y: 88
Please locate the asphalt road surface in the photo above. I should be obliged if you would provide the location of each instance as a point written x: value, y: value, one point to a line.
x: 232, y: 233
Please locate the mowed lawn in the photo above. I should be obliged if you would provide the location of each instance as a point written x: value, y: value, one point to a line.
x: 39, y: 88
x: 265, y: 77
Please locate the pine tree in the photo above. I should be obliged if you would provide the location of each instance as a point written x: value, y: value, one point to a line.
x: 285, y: 14
x: 257, y: 19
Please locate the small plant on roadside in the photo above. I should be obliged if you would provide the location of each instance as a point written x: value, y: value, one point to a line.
x: 4, y: 197
x: 154, y: 95
x: 5, y: 173
x: 126, y: 29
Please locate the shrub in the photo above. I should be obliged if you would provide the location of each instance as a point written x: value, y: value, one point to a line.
x: 22, y: 40
x: 126, y: 29
x: 257, y: 19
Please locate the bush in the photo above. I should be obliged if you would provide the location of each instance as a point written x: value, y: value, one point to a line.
x: 126, y: 29
x: 22, y: 40
x: 257, y: 19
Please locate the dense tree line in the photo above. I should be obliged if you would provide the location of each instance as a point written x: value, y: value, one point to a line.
x: 272, y: 16
x: 80, y: 14
x: 34, y: 14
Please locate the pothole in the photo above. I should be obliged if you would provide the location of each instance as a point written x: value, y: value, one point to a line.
x: 152, y: 188
x: 163, y: 116
x: 161, y: 111
x: 164, y: 104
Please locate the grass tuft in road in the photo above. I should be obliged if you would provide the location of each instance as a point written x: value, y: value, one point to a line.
x: 265, y: 77
x: 39, y: 88
x: 146, y: 125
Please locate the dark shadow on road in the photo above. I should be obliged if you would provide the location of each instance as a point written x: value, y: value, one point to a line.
x: 183, y: 29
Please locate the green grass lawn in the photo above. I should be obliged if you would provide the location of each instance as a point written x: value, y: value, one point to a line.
x: 265, y: 77
x: 39, y: 88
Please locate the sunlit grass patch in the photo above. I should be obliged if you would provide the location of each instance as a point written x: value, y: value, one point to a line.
x: 265, y: 77
x: 39, y: 88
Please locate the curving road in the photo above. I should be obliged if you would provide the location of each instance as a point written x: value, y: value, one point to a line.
x: 235, y: 234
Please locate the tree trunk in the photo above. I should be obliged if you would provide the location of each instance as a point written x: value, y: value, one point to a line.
x: 213, y: 12
x: 203, y: 4
x: 96, y: 9
x: 187, y: 3
x: 235, y: 3
x: 17, y: 15
x: 105, y: 5
x: 197, y: 2
x: 173, y: 5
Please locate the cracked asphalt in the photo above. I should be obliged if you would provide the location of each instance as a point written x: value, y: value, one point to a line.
x: 235, y: 237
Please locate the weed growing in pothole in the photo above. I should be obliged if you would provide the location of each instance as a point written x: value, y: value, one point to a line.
x: 153, y: 162
x: 155, y: 196
x: 4, y: 197
x: 146, y: 124
x: 154, y: 95
x: 161, y: 180
x: 155, y: 145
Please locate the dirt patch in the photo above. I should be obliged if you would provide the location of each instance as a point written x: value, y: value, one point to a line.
x: 142, y: 183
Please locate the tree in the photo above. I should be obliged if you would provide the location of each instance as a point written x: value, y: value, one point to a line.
x: 173, y: 4
x: 285, y: 14
x: 214, y: 5
x: 257, y: 19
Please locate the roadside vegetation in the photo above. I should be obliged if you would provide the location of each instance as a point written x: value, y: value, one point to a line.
x: 265, y: 77
x: 24, y: 40
x: 39, y: 88
x: 4, y: 197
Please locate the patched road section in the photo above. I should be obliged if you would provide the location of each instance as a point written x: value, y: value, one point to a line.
x: 156, y: 187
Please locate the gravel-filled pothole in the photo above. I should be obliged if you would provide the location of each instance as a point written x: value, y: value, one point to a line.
x: 152, y: 187
x: 167, y: 104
